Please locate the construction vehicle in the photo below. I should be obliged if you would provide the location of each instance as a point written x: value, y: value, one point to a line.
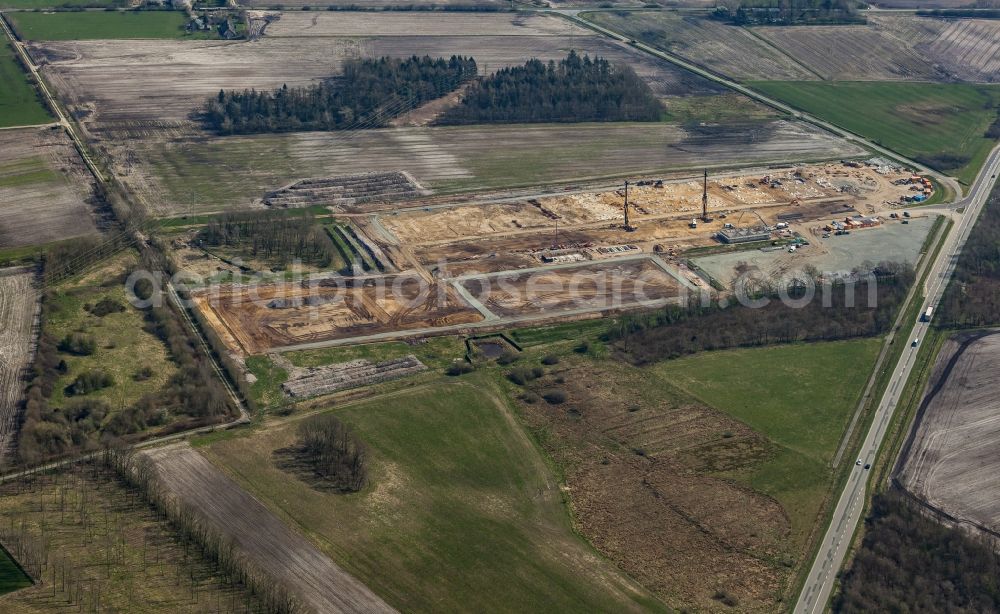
x: 629, y: 227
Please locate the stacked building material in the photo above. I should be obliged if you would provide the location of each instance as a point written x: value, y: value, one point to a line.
x: 353, y: 374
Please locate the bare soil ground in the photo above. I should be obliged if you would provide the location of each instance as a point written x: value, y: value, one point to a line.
x: 544, y: 256
x: 724, y: 49
x: 968, y: 49
x: 589, y: 286
x: 18, y: 307
x: 512, y: 235
x: 951, y: 462
x: 372, y: 4
x: 269, y: 543
x: 167, y: 80
x: 143, y: 121
x: 646, y: 473
x: 44, y: 188
x: 894, y: 47
x: 259, y: 318
x: 199, y: 174
x: 852, y: 53
x: 932, y: 4
x: 347, y: 24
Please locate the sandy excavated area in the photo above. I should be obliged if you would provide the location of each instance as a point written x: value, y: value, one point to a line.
x: 805, y: 191
x: 44, y: 187
x: 261, y: 536
x: 260, y: 318
x: 18, y: 306
x: 590, y: 286
x: 953, y: 459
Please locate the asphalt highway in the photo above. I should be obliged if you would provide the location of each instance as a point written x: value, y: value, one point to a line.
x: 847, y: 514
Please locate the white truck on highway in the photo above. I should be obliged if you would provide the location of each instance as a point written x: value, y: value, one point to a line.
x: 926, y: 316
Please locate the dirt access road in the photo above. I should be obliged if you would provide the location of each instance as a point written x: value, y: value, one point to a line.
x: 265, y: 539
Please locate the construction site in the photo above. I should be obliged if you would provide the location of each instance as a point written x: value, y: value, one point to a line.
x: 427, y: 266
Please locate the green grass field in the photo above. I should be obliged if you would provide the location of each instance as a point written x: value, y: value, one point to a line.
x: 123, y: 346
x: 102, y: 25
x: 11, y: 576
x: 462, y: 513
x: 919, y: 120
x: 800, y: 396
x: 20, y: 104
x: 26, y: 171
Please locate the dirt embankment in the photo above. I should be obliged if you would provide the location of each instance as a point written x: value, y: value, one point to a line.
x: 260, y: 535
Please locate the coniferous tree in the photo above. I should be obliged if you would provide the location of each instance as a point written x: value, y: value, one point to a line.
x: 576, y: 89
x: 367, y: 95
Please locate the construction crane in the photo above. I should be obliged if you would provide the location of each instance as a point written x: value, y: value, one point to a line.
x: 704, y: 199
x: 739, y: 218
x: 628, y: 227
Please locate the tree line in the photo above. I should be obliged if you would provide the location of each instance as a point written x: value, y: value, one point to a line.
x: 972, y: 298
x: 137, y: 473
x: 576, y: 89
x: 675, y: 331
x: 788, y: 12
x: 274, y: 236
x: 368, y: 95
x: 911, y: 563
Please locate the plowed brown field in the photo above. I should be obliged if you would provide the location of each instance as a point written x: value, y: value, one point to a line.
x: 260, y: 535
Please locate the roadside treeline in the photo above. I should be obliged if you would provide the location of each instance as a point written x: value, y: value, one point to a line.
x: 973, y: 296
x: 367, y: 95
x: 788, y: 12
x: 84, y: 424
x: 986, y: 12
x: 676, y: 331
x: 576, y: 89
x: 910, y: 563
x: 274, y: 236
